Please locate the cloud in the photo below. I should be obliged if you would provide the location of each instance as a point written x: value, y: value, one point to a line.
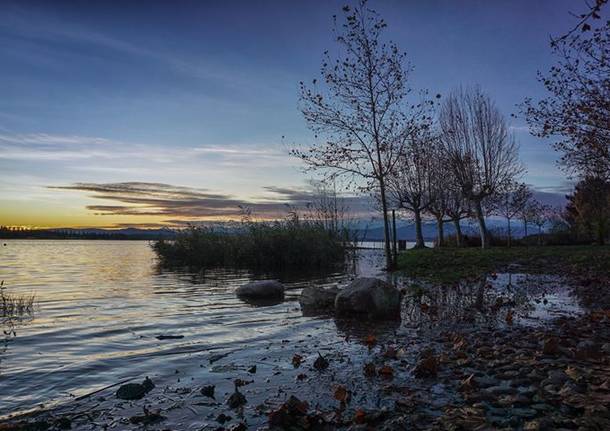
x: 74, y: 148
x: 158, y: 199
x: 184, y: 205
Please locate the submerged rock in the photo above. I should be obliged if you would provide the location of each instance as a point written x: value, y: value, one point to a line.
x: 369, y: 297
x: 236, y: 400
x: 135, y: 391
x: 208, y: 391
x: 316, y: 298
x: 264, y: 289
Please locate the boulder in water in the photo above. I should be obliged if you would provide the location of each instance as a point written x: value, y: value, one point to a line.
x: 316, y: 298
x: 263, y: 289
x: 369, y: 297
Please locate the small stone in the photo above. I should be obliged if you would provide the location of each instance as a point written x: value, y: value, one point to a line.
x: 222, y: 418
x: 588, y: 350
x: 551, y: 346
x: 135, y: 391
x: 236, y: 400
x: 208, y: 391
x: 321, y: 363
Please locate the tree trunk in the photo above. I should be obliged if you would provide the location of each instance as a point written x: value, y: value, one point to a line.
x: 482, y: 226
x: 509, y: 233
x: 394, y: 249
x: 525, y: 227
x: 539, y: 234
x: 440, y: 232
x: 386, y: 225
x: 419, y: 237
x: 458, y: 232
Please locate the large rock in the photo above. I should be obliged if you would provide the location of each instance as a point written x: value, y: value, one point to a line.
x: 316, y: 298
x: 264, y: 289
x: 369, y: 297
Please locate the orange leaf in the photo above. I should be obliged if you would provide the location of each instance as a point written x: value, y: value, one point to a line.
x: 386, y: 371
x: 341, y: 394
x: 296, y: 360
x: 509, y: 317
x: 360, y: 416
x: 370, y: 341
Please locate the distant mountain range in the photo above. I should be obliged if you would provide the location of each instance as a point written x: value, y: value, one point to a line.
x: 364, y: 230
x: 429, y: 230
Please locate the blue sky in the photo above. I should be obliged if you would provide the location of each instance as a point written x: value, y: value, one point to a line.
x: 199, y: 94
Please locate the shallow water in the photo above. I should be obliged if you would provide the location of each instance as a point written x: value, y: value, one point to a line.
x: 101, y: 305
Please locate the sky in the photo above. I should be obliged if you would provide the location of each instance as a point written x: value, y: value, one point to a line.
x: 152, y: 113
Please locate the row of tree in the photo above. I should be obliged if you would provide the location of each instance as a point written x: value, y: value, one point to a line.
x: 453, y: 158
x: 449, y: 160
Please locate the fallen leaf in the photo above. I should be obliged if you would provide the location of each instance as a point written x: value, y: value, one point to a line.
x: 296, y: 360
x: 390, y: 353
x: 370, y: 341
x: 572, y: 373
x: 369, y: 370
x: 386, y: 371
x: 469, y: 384
x: 342, y: 394
x: 360, y: 416
x: 509, y: 317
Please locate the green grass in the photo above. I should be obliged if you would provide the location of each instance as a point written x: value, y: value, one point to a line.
x: 449, y: 265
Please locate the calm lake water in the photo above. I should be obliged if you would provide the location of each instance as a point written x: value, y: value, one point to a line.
x: 101, y: 305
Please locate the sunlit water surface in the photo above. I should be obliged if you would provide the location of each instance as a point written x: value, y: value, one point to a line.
x: 101, y: 305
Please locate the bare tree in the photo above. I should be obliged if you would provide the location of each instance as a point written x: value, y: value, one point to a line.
x: 482, y: 154
x: 327, y: 207
x: 511, y: 203
x: 361, y: 116
x: 409, y: 184
x: 540, y: 215
x: 458, y: 209
x: 592, y: 13
x: 440, y: 193
x: 577, y: 108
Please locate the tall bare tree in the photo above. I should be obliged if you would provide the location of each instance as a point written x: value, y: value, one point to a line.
x: 440, y: 191
x: 458, y: 209
x: 361, y: 117
x: 482, y: 154
x: 511, y: 203
x: 409, y: 184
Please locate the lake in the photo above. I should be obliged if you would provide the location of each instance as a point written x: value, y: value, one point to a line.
x: 102, y: 304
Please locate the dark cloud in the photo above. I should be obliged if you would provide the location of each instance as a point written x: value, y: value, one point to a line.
x: 184, y: 204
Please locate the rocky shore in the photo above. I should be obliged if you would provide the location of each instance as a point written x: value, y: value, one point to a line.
x: 484, y: 364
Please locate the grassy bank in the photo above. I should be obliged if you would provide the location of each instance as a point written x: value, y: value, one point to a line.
x: 288, y: 245
x: 453, y: 264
